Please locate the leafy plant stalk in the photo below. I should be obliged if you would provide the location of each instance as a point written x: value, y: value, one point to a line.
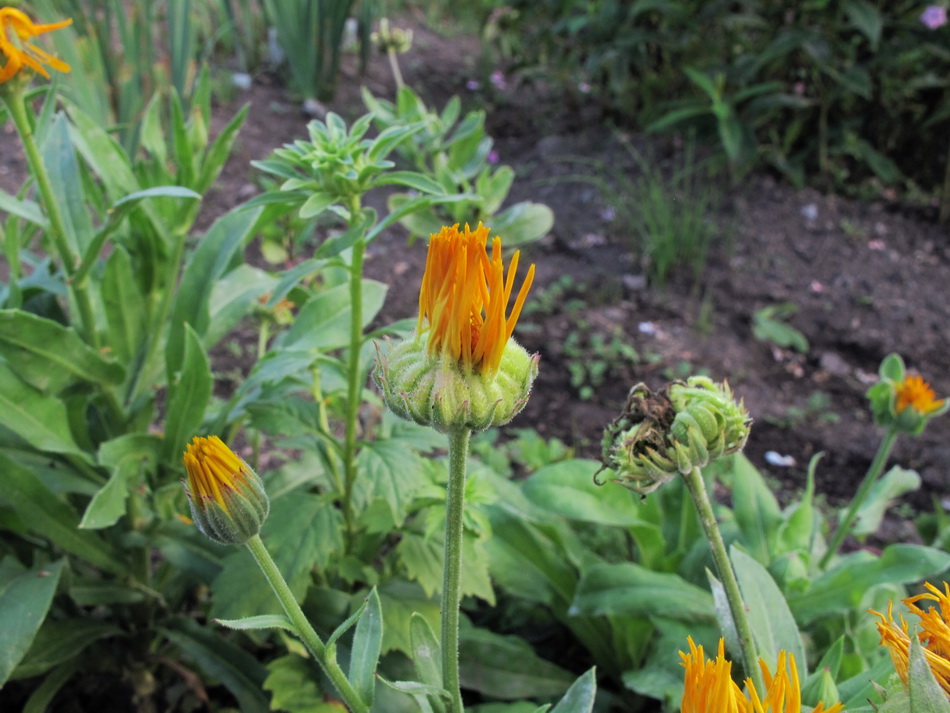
x: 16, y: 105
x: 452, y: 565
x: 877, y: 465
x: 303, y: 628
x: 697, y: 490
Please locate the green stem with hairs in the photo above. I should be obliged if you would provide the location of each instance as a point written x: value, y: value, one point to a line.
x: 16, y: 105
x: 452, y: 566
x: 877, y: 465
x: 697, y: 490
x: 354, y: 383
x: 303, y: 628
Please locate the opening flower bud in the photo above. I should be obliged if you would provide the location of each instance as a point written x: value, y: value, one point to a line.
x: 461, y: 369
x: 227, y: 498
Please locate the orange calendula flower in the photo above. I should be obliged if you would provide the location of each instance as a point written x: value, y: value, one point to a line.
x: 464, y: 298
x: 227, y: 499
x: 934, y: 635
x: 709, y: 687
x: 15, y: 29
x: 916, y: 393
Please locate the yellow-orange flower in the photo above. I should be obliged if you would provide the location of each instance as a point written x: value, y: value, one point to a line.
x: 709, y: 687
x: 916, y: 393
x: 934, y: 635
x: 227, y: 499
x: 464, y: 298
x: 15, y: 29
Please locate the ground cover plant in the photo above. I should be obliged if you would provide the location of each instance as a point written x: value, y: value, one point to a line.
x: 373, y: 546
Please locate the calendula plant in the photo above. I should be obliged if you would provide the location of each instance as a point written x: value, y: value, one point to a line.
x: 455, y: 152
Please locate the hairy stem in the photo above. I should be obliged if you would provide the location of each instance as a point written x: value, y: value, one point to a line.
x: 697, y: 490
x: 452, y: 566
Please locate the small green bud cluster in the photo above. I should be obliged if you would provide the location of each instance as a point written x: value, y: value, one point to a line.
x: 446, y: 395
x: 659, y: 435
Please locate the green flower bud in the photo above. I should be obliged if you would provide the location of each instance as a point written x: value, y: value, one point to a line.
x: 430, y: 390
x: 660, y: 435
x: 227, y: 499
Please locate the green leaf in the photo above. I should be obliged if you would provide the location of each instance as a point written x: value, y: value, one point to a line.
x: 48, y: 356
x: 290, y: 680
x: 628, y: 589
x: 841, y: 588
x: 23, y: 606
x: 881, y: 496
x: 507, y: 667
x: 401, y: 601
x: 125, y: 456
x: 390, y: 470
x: 425, y: 653
x: 522, y: 223
x: 40, y: 420
x: 188, y: 395
x: 568, y: 489
x: 125, y: 306
x: 866, y: 18
x: 316, y: 204
x: 28, y: 210
x: 367, y: 641
x: 42, y: 696
x: 63, y: 171
x: 59, y: 641
x: 262, y: 621
x: 54, y: 519
x: 235, y: 296
x: 926, y: 695
x: 892, y: 368
x: 770, y: 619
x: 756, y: 509
x: 204, y: 268
x: 324, y: 320
x: 580, y: 696
x: 219, y: 658
x: 410, y: 179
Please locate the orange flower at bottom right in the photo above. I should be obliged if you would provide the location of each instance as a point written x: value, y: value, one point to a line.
x: 710, y: 688
x: 934, y: 635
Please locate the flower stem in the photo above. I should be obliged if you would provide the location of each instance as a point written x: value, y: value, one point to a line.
x: 16, y: 106
x: 697, y: 489
x: 306, y: 632
x: 354, y: 383
x: 452, y: 566
x: 877, y: 465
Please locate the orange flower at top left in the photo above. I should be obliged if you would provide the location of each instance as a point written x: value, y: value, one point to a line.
x: 16, y: 28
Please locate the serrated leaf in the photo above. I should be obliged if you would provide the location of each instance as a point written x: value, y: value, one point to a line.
x: 390, y: 470
x: 324, y: 320
x: 290, y: 680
